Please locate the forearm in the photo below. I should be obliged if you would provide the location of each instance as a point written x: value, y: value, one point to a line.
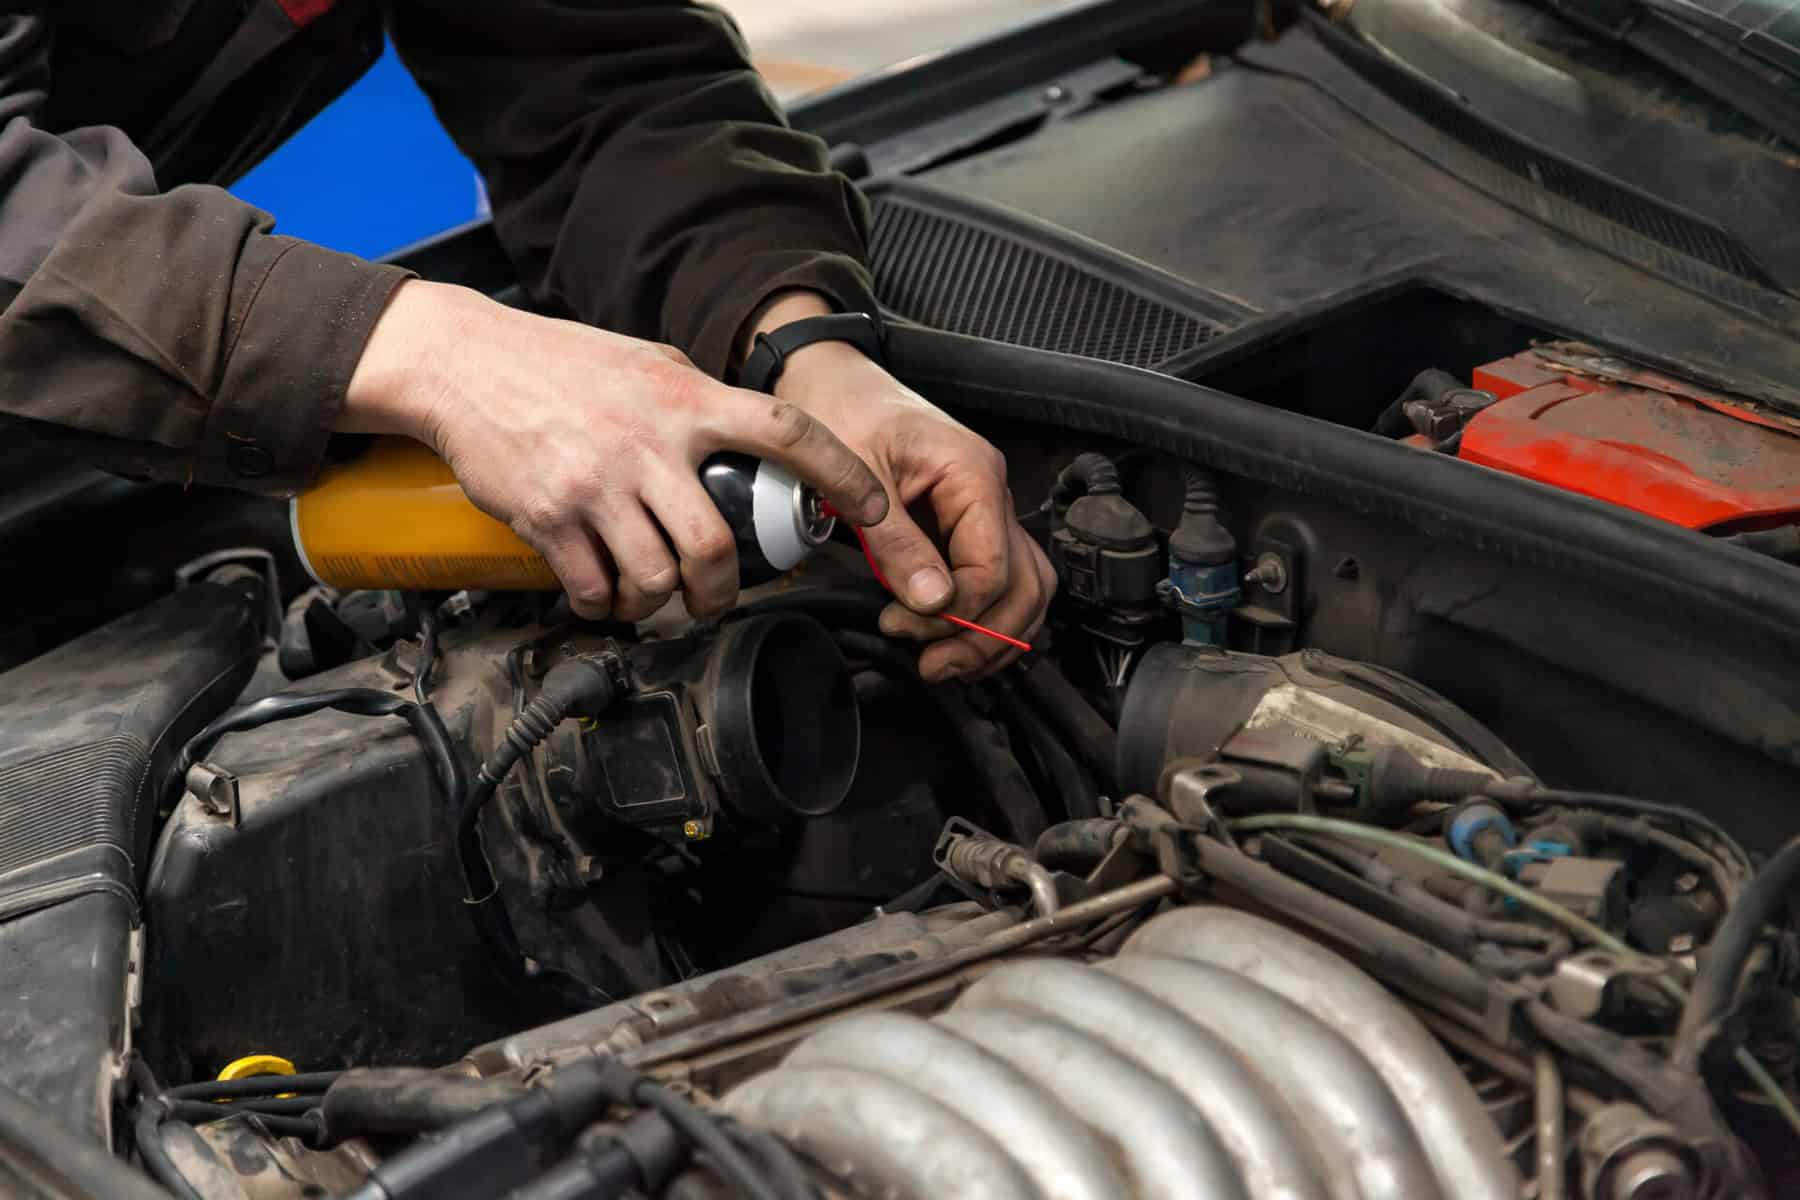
x: 641, y: 175
x: 169, y: 335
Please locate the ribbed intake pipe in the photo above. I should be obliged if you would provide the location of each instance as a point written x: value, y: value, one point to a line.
x: 1217, y: 1056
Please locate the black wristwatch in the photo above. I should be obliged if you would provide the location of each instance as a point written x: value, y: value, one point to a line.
x: 762, y: 367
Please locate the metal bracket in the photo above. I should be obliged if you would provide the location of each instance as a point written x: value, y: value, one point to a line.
x: 1191, y: 793
x: 1272, y: 596
x: 667, y: 1012
x: 216, y: 789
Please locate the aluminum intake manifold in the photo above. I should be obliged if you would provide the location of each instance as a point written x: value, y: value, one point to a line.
x: 1217, y: 1056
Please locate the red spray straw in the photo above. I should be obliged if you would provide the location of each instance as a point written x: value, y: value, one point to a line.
x: 863, y: 540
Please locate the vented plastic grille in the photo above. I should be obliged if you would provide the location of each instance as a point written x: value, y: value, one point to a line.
x: 1536, y: 172
x: 1678, y: 231
x: 68, y: 801
x: 952, y: 275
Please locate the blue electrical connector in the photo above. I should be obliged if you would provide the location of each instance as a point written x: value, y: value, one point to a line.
x: 1468, y: 824
x: 1204, y: 594
x: 1203, y: 583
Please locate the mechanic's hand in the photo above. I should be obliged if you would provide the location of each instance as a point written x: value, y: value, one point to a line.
x: 587, y: 444
x: 997, y: 576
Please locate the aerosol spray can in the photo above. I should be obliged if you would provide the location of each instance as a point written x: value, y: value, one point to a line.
x: 395, y: 517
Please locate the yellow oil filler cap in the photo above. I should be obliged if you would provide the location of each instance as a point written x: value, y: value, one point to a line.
x: 256, y: 1064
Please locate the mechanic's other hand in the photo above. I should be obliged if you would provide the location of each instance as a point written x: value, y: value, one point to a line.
x: 996, y: 575
x: 588, y: 444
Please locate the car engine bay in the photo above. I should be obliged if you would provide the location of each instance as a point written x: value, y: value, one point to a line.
x: 1316, y: 850
x: 1398, y: 804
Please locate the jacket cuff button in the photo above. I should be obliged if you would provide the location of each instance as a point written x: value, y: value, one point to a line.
x: 249, y: 461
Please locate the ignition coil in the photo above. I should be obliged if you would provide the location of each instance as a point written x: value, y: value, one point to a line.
x: 1203, y: 584
x: 1105, y: 555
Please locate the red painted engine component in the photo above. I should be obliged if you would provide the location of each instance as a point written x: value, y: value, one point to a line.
x: 1597, y: 426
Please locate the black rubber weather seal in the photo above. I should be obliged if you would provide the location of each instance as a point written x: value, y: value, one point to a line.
x: 1514, y: 520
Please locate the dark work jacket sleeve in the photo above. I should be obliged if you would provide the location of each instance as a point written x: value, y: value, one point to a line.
x: 168, y: 335
x: 642, y: 177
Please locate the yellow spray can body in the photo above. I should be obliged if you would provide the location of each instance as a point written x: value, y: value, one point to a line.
x: 395, y: 517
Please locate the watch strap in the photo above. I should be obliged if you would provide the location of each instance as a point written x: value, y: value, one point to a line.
x: 769, y: 354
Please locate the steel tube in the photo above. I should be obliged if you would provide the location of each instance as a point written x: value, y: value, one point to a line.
x: 1466, y: 1151
x: 1051, y: 1145
x: 1167, y: 1147
x: 1342, y: 1102
x: 900, y: 1139
x: 1256, y: 1128
x: 1043, y: 889
x: 1551, y: 1149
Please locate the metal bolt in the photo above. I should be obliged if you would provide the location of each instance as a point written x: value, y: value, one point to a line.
x: 693, y: 831
x: 1681, y: 943
x: 1056, y: 93
x: 1686, y: 882
x: 1270, y: 573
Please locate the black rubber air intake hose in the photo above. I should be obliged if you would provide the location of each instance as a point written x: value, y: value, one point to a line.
x: 1722, y: 963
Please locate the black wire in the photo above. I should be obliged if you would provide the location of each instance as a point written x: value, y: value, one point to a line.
x: 154, y: 1108
x: 1726, y: 880
x: 369, y: 702
x: 195, y: 1112
x: 255, y: 1085
x: 274, y: 1106
x: 427, y: 654
x: 786, y: 1170
x: 565, y: 686
x: 1607, y: 802
x: 464, y: 808
x: 706, y: 1136
x: 147, y: 1131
